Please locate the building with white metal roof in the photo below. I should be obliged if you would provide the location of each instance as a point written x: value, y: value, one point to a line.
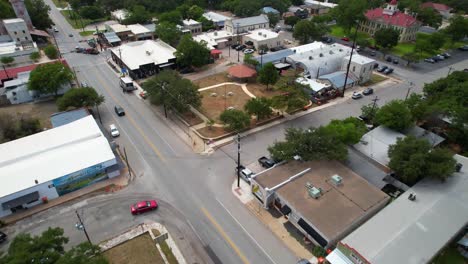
x: 261, y: 37
x: 411, y: 231
x: 246, y: 24
x: 216, y: 18
x: 52, y: 163
x: 144, y: 58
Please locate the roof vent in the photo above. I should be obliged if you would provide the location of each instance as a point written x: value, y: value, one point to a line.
x: 215, y: 33
x: 314, y: 192
x: 311, y: 58
x: 337, y: 180
x: 148, y: 52
x: 331, y: 52
x: 321, y: 55
x: 340, y: 50
x: 259, y: 33
x: 36, y: 181
x: 264, y: 35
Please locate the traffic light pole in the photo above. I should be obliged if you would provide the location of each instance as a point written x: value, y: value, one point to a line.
x: 238, y: 160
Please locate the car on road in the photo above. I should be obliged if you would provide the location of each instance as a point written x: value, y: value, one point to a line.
x: 84, y: 84
x: 266, y: 162
x: 144, y: 94
x: 70, y: 35
x: 345, y: 39
x: 368, y: 91
x: 114, y: 131
x: 446, y: 55
x: 389, y: 59
x: 437, y: 58
x: 463, y: 48
x: 56, y: 30
x: 440, y: 56
x: 356, y: 95
x: 3, y: 237
x: 245, y: 173
x: 119, y: 110
x: 465, y: 70
x: 395, y: 61
x: 388, y: 71
x: 430, y: 60
x: 382, y: 68
x: 143, y: 206
x: 234, y: 46
x: 373, y: 53
x: 248, y: 51
x: 327, y: 40
x: 241, y: 47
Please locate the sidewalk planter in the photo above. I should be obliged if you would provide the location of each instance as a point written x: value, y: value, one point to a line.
x: 45, y: 199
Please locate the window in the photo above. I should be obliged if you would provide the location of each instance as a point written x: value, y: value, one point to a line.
x: 24, y: 32
x: 26, y: 38
x: 16, y: 33
x: 17, y: 39
x: 354, y: 68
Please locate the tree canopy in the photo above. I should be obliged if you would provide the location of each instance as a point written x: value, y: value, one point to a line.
x: 91, y: 12
x: 312, y: 144
x: 170, y: 88
x: 138, y: 14
x: 191, y: 53
x: 48, y: 248
x: 293, y: 97
x: 51, y: 52
x: 49, y: 78
x: 80, y: 97
x: 349, y: 130
x: 395, y: 115
x: 430, y: 17
x: 261, y: 107
x: 6, y: 10
x: 458, y: 27
x: 348, y: 12
x: 39, y: 12
x: 168, y: 33
x: 291, y: 20
x: 235, y: 120
x: 412, y: 159
x: 268, y: 74
x: 306, y: 31
x: 7, y: 60
x: 386, y: 38
x: 17, y: 126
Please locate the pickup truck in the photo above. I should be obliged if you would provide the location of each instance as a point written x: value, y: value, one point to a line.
x: 266, y: 162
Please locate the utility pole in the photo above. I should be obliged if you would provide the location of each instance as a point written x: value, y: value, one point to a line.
x: 409, y: 89
x: 373, y: 107
x: 6, y: 72
x: 238, y: 42
x: 450, y: 70
x: 163, y: 88
x: 55, y: 40
x: 81, y: 226
x: 238, y: 160
x: 350, y: 58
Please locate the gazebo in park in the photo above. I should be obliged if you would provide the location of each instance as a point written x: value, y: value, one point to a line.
x: 242, y: 72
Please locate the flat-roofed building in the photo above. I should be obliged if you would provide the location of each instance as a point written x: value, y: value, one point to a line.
x: 216, y: 18
x: 260, y: 37
x: 325, y: 200
x: 193, y: 26
x: 246, y: 24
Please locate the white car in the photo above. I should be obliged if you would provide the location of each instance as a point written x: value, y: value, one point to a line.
x: 248, y: 51
x: 114, y: 131
x: 55, y: 29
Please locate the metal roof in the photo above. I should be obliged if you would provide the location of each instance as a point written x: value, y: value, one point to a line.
x: 274, y: 56
x: 63, y: 118
x: 248, y: 21
x: 111, y: 37
x: 337, y: 79
x: 269, y: 9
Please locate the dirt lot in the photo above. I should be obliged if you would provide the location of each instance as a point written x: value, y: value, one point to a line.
x: 191, y: 118
x: 212, y: 80
x: 259, y: 90
x: 42, y: 111
x: 140, y: 250
x: 213, y: 106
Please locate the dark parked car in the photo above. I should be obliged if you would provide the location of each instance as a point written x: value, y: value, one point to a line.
x: 234, y: 46
x: 437, y: 58
x: 327, y: 39
x: 430, y: 60
x: 364, y: 118
x: 368, y: 91
x: 119, y: 110
x: 376, y: 65
x: 395, y: 61
x: 143, y: 206
x: 388, y: 71
x: 186, y: 70
x: 276, y: 48
x: 373, y: 53
x: 446, y: 55
x: 241, y: 47
x: 382, y: 68
x: 463, y: 48
x: 266, y: 162
x: 3, y: 237
x: 389, y: 59
x: 245, y: 173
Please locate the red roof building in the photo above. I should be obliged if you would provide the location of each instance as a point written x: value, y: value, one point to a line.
x: 444, y: 10
x: 391, y: 17
x: 241, y: 71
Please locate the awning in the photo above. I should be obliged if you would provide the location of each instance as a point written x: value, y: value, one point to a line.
x: 215, y: 51
x: 336, y: 257
x: 285, y: 210
x: 166, y: 64
x: 281, y: 65
x: 30, y: 197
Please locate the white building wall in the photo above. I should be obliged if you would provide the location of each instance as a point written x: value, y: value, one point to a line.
x: 361, y: 71
x: 270, y: 42
x: 42, y: 188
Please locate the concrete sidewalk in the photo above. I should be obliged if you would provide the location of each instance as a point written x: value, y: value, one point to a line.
x: 110, y: 185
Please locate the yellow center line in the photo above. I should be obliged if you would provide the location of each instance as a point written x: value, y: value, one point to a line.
x: 225, y: 236
x: 129, y: 117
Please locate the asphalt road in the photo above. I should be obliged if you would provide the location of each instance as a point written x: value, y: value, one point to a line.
x: 209, y: 224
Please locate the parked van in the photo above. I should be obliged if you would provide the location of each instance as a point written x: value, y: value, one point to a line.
x: 126, y: 83
x: 114, y: 131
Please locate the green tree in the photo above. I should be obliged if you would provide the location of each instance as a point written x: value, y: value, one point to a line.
x: 268, y: 74
x: 7, y: 60
x: 348, y: 12
x: 49, y: 78
x: 363, y: 42
x: 210, y: 124
x: 168, y: 33
x: 6, y: 10
x: 263, y: 48
x: 369, y: 111
x: 387, y: 38
x: 195, y: 12
x: 306, y: 30
x: 437, y: 40
x: 91, y: 12
x: 458, y: 28
x: 235, y: 120
x: 260, y: 107
x: 395, y: 115
x: 273, y: 18
x: 80, y: 97
x: 248, y: 59
x: 183, y: 10
x: 14, y: 127
x: 293, y: 97
x: 169, y: 88
x: 206, y: 24
x: 417, y: 106
x: 430, y: 17
x: 35, y: 56
x: 138, y: 14
x: 51, y: 52
x: 291, y: 20
x: 412, y: 159
x: 349, y: 131
x: 297, y: 2
x: 191, y: 53
x: 39, y: 13
x: 316, y: 144
x: 411, y: 57
x: 173, y: 17
x: 49, y: 248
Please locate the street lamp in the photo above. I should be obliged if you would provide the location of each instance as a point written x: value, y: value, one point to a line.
x: 350, y: 58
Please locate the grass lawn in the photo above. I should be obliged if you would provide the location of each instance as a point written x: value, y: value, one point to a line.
x: 339, y: 32
x: 168, y: 253
x: 375, y: 78
x: 60, y: 3
x: 449, y: 255
x: 76, y: 22
x: 403, y: 48
x: 86, y: 33
x: 41, y: 111
x: 138, y: 250
x: 214, y: 132
x: 213, y: 106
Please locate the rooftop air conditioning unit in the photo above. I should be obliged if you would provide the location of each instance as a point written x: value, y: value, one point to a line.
x: 259, y: 33
x: 311, y: 58
x: 264, y: 35
x: 321, y: 55
x: 215, y: 33
x: 315, y: 192
x: 336, y: 180
x: 148, y: 53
